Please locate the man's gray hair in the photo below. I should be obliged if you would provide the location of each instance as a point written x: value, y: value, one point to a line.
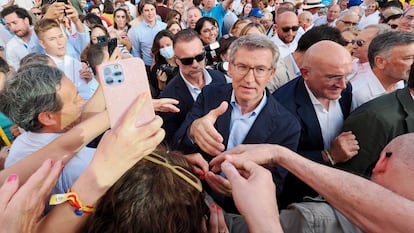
x: 252, y: 42
x: 382, y: 44
x: 345, y: 13
x: 29, y: 92
x: 381, y: 27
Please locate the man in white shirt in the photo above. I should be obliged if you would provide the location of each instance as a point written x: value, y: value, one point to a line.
x: 287, y: 26
x: 360, y: 65
x: 390, y: 56
x: 19, y: 22
x: 52, y: 39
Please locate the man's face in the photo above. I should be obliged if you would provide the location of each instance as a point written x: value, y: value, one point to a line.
x: 365, y: 36
x: 148, y: 13
x: 19, y: 26
x: 54, y: 42
x: 398, y: 62
x: 249, y: 88
x: 333, y: 13
x: 407, y: 22
x: 72, y: 104
x: 192, y: 17
x: 327, y: 79
x: 346, y: 22
x: 190, y: 49
x: 287, y: 20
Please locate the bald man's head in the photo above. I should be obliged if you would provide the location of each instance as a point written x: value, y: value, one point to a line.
x: 325, y: 74
x: 394, y: 169
x: 287, y: 25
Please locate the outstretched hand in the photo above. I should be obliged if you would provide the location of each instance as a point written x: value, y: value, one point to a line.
x: 202, y: 131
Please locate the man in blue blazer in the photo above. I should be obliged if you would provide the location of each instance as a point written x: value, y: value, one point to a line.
x: 187, y: 84
x: 242, y: 112
x: 321, y: 100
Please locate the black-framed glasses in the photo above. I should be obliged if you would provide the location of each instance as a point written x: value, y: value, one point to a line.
x: 189, y: 177
x: 258, y: 71
x: 360, y: 43
x: 189, y: 60
x: 350, y: 23
x: 208, y: 30
x: 293, y: 28
x: 37, y: 14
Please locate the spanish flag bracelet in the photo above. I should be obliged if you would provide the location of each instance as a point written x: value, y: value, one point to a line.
x: 73, y: 199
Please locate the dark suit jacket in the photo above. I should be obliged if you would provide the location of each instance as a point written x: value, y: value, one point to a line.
x: 274, y: 125
x: 177, y: 89
x: 375, y: 124
x: 294, y: 96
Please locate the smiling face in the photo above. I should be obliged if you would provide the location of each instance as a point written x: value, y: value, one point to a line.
x: 366, y: 37
x: 72, y: 104
x: 148, y: 13
x: 208, y: 33
x: 193, y: 16
x: 326, y: 77
x: 249, y: 88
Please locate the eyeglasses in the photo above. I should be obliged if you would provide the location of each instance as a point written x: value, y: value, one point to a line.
x: 349, y: 23
x: 287, y: 29
x: 208, y: 30
x: 190, y: 178
x: 37, y: 14
x: 189, y: 60
x: 408, y: 17
x: 393, y: 26
x: 360, y: 43
x: 258, y: 71
x: 348, y: 42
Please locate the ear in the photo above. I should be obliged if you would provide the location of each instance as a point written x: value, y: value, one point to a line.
x: 48, y: 118
x: 42, y: 44
x: 381, y: 165
x: 305, y: 73
x: 272, y: 74
x: 380, y: 62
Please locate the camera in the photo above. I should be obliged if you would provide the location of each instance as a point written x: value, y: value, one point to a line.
x: 212, y: 55
x: 170, y: 70
x: 221, y: 66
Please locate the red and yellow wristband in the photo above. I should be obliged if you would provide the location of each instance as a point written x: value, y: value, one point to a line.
x: 73, y: 199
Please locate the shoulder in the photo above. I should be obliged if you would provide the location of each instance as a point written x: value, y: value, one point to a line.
x: 217, y: 76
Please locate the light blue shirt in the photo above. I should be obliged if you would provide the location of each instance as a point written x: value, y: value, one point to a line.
x: 142, y: 37
x: 194, y: 90
x: 218, y: 13
x: 75, y: 44
x: 240, y: 124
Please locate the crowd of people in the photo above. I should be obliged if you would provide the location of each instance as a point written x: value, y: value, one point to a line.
x: 271, y: 116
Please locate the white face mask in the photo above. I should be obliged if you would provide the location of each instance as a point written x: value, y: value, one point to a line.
x: 167, y: 52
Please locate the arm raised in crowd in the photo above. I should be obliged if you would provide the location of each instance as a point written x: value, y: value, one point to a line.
x: 118, y: 151
x: 368, y: 205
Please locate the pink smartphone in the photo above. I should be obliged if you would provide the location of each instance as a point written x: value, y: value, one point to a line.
x: 122, y: 81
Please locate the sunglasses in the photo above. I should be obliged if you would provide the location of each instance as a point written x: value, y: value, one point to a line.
x: 393, y: 26
x: 189, y: 60
x: 287, y: 29
x: 360, y: 43
x: 189, y: 177
x: 37, y: 14
x: 349, y: 23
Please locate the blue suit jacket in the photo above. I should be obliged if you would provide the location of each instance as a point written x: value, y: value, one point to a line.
x: 294, y: 96
x: 274, y: 125
x: 177, y: 89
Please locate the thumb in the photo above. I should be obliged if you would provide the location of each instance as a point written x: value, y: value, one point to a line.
x: 219, y: 110
x: 232, y: 175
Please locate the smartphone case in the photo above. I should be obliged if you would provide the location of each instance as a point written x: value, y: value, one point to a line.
x: 122, y: 82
